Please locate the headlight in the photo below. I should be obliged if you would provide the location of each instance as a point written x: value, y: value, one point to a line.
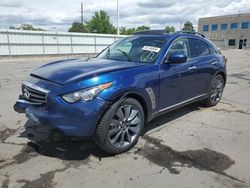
x: 86, y: 94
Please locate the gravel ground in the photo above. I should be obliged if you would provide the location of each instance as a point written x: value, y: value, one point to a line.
x: 190, y: 147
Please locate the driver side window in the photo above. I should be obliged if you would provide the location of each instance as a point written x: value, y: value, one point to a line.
x: 180, y: 46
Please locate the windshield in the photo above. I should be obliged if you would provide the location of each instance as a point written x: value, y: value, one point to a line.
x: 136, y: 49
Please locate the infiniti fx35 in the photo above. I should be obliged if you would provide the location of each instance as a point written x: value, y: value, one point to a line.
x: 111, y: 97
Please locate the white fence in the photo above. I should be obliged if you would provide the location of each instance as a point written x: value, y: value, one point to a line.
x: 16, y: 42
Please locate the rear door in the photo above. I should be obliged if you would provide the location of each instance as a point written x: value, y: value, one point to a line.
x: 205, y: 63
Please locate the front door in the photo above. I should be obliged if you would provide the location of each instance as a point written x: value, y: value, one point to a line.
x: 177, y: 82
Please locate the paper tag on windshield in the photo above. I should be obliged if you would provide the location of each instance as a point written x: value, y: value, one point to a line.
x: 151, y: 49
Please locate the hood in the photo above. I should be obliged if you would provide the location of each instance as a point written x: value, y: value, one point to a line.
x: 65, y: 71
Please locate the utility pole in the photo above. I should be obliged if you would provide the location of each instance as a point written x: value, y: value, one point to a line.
x: 82, y: 13
x: 118, y: 17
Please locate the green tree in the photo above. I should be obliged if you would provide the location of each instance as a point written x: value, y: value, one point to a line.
x: 123, y: 31
x: 78, y: 27
x: 169, y: 29
x: 12, y: 27
x: 143, y: 28
x: 130, y: 31
x: 39, y: 29
x: 100, y: 23
x: 26, y: 27
x: 188, y: 26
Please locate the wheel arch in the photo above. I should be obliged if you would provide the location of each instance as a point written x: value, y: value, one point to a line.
x: 223, y: 74
x: 140, y: 98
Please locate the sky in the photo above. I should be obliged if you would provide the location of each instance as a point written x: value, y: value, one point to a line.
x: 59, y: 14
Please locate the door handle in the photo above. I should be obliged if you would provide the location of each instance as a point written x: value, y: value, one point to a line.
x: 178, y: 75
x: 214, y: 62
x: 192, y: 68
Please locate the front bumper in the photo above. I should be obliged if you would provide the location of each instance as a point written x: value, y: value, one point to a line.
x: 79, y: 119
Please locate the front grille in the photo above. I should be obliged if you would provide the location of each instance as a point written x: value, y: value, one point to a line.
x: 34, y: 95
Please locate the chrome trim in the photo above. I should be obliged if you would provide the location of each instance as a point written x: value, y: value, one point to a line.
x: 151, y: 94
x: 192, y: 68
x: 33, y: 86
x: 27, y: 102
x: 183, y: 102
x: 214, y: 62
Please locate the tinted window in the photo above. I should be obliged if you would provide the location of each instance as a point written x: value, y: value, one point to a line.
x: 234, y: 26
x: 244, y: 25
x: 223, y: 27
x: 198, y: 48
x: 214, y: 27
x: 180, y: 46
x: 212, y: 50
x: 231, y: 42
x: 205, y: 27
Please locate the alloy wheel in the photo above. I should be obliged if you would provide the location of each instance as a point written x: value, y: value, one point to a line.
x: 125, y: 126
x: 217, y: 90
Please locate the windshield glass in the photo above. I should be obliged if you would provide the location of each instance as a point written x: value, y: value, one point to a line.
x: 136, y: 49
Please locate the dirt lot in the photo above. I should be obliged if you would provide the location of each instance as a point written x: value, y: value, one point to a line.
x: 190, y: 147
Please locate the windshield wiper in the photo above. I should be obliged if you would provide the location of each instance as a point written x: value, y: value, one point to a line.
x: 126, y: 54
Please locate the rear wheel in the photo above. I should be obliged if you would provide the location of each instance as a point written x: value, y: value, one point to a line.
x: 216, y: 91
x: 120, y: 126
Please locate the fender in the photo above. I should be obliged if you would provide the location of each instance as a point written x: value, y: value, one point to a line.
x: 221, y: 70
x: 143, y: 99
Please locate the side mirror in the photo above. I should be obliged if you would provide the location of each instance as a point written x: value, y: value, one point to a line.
x: 177, y: 57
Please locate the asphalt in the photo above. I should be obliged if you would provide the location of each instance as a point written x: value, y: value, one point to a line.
x: 190, y: 147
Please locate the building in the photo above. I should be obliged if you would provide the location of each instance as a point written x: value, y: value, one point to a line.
x: 227, y: 32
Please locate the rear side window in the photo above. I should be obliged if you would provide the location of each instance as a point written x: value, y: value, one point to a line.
x: 214, y: 50
x: 198, y: 48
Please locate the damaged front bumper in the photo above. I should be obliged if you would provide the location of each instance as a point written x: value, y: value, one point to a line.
x: 77, y: 119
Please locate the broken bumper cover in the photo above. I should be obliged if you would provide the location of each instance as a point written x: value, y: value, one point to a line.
x: 77, y: 119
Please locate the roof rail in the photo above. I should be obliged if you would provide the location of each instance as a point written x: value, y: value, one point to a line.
x: 150, y: 32
x: 162, y: 32
x: 191, y: 32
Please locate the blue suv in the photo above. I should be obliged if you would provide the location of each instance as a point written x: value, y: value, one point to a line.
x: 112, y: 96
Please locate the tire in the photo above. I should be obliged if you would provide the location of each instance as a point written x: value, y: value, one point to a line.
x: 215, y: 91
x: 120, y: 126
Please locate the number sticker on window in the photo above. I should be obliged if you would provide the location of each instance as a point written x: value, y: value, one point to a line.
x: 151, y: 49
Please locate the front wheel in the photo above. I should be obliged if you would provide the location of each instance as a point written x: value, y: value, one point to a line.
x: 120, y: 127
x: 216, y: 90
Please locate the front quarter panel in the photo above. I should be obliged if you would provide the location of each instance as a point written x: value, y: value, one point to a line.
x: 142, y: 81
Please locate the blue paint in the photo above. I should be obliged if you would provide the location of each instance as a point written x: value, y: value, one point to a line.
x: 170, y: 83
